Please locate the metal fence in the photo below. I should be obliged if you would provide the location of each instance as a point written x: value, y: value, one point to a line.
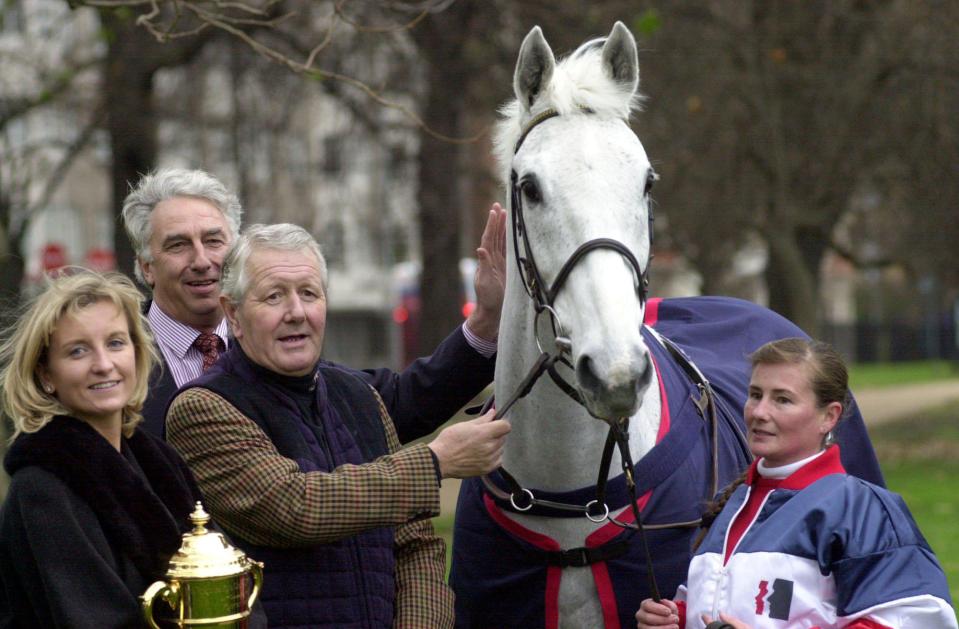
x: 895, y: 341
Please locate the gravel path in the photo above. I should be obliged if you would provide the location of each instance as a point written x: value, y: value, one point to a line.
x: 888, y: 403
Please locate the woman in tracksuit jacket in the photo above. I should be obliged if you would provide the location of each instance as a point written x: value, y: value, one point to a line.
x: 797, y: 542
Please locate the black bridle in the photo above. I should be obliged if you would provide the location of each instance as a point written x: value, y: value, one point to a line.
x: 543, y: 296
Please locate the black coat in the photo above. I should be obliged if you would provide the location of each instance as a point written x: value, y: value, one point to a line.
x: 85, y: 529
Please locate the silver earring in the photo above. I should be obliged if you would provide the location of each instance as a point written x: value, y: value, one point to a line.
x: 47, y: 389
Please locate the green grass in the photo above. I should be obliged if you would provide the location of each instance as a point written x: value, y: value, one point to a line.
x: 920, y: 459
x: 869, y: 375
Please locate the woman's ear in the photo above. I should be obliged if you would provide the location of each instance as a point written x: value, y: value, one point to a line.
x: 44, y: 377
x: 831, y: 417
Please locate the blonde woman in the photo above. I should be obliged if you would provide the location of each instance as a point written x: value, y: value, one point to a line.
x: 95, y: 507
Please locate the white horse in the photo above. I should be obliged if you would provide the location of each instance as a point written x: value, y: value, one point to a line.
x: 583, y: 175
x: 579, y: 175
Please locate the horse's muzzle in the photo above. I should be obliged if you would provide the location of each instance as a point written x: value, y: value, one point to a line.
x: 615, y: 391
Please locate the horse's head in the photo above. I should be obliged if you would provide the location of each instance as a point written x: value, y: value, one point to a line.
x: 579, y: 175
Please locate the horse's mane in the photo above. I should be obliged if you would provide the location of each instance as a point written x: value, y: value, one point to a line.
x: 578, y: 82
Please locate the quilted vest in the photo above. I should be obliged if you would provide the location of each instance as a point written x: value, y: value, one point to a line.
x: 343, y: 584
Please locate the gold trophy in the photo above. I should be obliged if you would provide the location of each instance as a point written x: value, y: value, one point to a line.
x: 208, y: 583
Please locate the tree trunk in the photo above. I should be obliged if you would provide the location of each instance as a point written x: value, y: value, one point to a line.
x: 133, y: 57
x: 441, y: 42
x: 11, y: 279
x: 791, y: 281
x: 131, y: 120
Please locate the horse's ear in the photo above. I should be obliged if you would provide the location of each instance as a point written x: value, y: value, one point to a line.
x: 534, y: 69
x: 620, y: 57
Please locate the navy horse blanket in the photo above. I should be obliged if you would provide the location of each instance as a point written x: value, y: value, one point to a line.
x: 505, y: 576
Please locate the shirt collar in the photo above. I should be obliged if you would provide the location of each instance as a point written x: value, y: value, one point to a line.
x: 178, y: 336
x: 820, y: 465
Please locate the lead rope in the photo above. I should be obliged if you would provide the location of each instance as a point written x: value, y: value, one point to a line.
x: 619, y: 431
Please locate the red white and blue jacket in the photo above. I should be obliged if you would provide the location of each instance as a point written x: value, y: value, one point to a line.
x: 824, y: 549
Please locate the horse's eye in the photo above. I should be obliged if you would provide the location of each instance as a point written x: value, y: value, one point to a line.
x: 651, y: 178
x: 531, y: 191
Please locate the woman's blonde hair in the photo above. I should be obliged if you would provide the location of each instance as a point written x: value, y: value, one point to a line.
x: 27, y: 343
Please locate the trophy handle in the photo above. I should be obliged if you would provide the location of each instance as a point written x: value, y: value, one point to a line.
x: 256, y: 567
x: 169, y: 593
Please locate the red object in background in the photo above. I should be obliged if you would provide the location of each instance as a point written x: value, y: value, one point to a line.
x: 100, y: 259
x: 401, y: 315
x: 53, y: 256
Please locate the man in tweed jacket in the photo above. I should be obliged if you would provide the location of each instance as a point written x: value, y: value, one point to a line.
x: 299, y: 461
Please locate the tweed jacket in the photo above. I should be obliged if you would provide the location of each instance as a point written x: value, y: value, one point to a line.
x: 258, y: 495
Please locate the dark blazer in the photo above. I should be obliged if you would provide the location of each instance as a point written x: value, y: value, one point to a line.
x: 419, y: 399
x: 162, y: 388
x: 58, y: 567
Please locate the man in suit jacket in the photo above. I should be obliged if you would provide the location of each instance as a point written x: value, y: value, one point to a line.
x: 181, y: 224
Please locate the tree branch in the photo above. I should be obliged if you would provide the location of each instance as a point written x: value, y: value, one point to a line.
x: 11, y: 109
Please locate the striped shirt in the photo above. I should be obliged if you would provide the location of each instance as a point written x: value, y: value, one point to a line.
x: 175, y: 341
x: 484, y: 348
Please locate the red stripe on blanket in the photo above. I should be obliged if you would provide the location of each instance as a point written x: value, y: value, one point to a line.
x: 652, y: 311
x: 553, y: 573
x: 607, y: 597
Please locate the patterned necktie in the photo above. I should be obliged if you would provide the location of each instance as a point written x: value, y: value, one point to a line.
x: 209, y: 346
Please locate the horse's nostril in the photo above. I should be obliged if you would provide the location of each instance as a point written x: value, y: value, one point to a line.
x: 647, y: 376
x: 585, y: 374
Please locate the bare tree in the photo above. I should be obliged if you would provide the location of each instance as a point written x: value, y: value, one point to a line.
x: 781, y: 110
x: 132, y: 60
x: 765, y: 118
x: 40, y: 85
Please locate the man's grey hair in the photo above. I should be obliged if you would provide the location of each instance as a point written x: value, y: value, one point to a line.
x: 280, y: 237
x: 169, y: 183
